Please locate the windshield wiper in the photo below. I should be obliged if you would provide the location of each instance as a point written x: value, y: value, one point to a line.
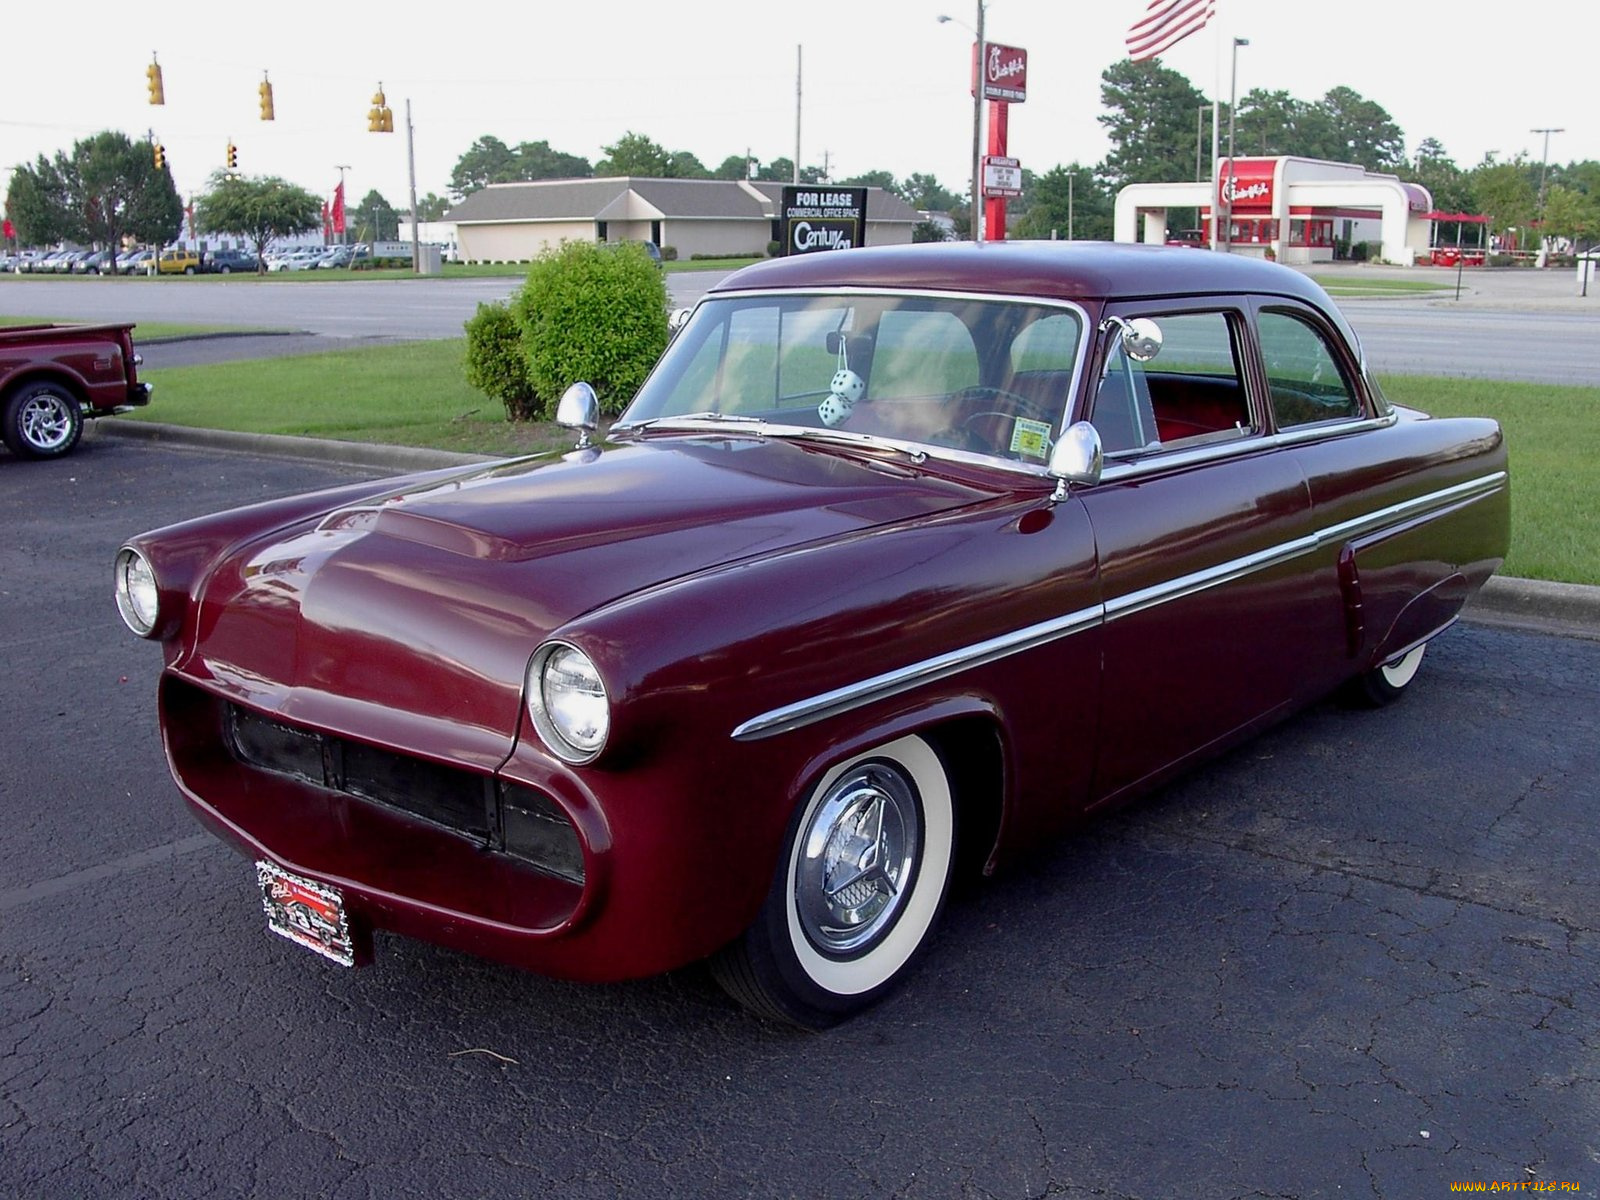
x: 688, y: 419
x: 844, y: 437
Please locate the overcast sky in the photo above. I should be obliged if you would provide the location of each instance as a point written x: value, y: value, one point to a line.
x: 883, y: 83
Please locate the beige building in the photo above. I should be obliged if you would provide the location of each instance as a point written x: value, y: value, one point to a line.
x: 514, y: 222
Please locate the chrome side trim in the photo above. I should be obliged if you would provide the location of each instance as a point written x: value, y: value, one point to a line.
x: 1198, y: 581
x: 1472, y: 489
x: 892, y: 683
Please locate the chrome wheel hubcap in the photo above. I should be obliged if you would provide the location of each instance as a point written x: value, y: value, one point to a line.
x: 857, y: 858
x: 45, y: 422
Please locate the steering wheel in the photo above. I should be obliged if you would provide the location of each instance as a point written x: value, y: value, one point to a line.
x: 1022, y: 408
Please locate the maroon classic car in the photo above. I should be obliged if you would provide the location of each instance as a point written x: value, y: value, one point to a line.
x: 902, y: 560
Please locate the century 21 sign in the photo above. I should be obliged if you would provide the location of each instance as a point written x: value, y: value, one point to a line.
x: 819, y: 217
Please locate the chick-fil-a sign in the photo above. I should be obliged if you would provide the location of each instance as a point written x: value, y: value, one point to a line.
x: 1005, y: 72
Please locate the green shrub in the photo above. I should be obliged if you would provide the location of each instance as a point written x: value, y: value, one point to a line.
x: 595, y: 314
x: 669, y: 254
x: 495, y: 362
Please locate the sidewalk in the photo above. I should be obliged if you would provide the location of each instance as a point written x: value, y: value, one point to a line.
x: 1528, y: 605
x: 1549, y: 289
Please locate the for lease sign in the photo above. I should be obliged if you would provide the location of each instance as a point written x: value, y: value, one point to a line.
x: 818, y: 217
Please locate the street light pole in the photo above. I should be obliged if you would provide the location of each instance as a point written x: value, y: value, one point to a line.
x: 977, y: 123
x: 1544, y: 161
x: 1227, y: 191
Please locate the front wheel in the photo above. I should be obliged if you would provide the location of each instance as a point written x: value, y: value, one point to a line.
x: 1386, y: 683
x: 859, y: 888
x: 41, y: 420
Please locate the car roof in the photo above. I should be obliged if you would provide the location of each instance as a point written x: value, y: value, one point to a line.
x: 1050, y: 270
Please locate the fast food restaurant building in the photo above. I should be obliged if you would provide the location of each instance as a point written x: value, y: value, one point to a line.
x: 1295, y: 207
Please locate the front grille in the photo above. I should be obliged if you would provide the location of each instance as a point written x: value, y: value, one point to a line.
x: 506, y: 817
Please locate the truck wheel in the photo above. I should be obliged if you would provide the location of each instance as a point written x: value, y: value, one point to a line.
x: 42, y: 420
x: 188, y: 270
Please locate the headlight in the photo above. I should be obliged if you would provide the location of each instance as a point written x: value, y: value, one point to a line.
x: 567, y: 701
x: 137, y: 596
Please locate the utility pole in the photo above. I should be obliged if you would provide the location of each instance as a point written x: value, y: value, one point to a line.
x: 798, y: 58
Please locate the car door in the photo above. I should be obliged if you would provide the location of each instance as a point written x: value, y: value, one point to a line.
x: 1201, y: 523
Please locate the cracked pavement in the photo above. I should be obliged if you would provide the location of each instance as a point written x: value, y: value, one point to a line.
x: 1357, y: 957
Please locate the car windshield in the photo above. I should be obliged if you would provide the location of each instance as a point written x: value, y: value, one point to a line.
x: 982, y: 376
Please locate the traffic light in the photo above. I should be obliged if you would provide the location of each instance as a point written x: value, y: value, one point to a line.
x: 152, y: 75
x: 266, y: 100
x: 233, y: 156
x: 161, y: 155
x: 379, y: 118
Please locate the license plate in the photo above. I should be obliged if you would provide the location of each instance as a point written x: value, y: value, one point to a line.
x: 309, y: 913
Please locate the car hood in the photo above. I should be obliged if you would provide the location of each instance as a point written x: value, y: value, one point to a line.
x: 425, y: 605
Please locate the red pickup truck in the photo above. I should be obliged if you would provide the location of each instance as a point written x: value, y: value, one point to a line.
x: 53, y: 377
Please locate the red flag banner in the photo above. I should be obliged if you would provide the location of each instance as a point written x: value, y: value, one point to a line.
x: 10, y: 230
x: 338, y: 208
x: 1166, y: 23
x: 326, y: 221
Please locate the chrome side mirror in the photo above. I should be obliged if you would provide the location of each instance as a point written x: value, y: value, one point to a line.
x: 1141, y: 337
x: 676, y: 320
x: 579, y: 409
x: 1076, y: 458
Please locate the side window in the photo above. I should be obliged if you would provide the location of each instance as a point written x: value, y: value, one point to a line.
x: 1303, y: 374
x: 1191, y: 393
x: 921, y: 353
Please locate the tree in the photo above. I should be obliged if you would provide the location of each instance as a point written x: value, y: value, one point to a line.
x: 877, y: 179
x: 1447, y: 183
x: 735, y: 166
x: 1066, y: 202
x: 257, y: 209
x: 634, y: 154
x: 1506, y: 195
x: 928, y: 231
x: 928, y: 194
x: 683, y: 165
x: 376, y: 218
x: 1360, y: 131
x: 1266, y: 123
x: 1571, y: 214
x: 1149, y: 118
x: 781, y: 170
x: 432, y: 207
x: 106, y: 188
x: 488, y: 160
x: 536, y: 160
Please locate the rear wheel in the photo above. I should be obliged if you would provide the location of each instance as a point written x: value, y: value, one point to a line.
x: 41, y: 420
x: 856, y: 894
x: 1386, y: 683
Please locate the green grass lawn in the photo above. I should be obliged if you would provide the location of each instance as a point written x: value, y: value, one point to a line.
x: 415, y: 395
x: 1347, y: 286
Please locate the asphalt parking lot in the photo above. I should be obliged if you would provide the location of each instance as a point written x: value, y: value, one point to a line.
x: 1356, y: 957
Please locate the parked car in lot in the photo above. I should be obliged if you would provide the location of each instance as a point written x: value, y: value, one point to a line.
x: 53, y: 377
x: 97, y: 263
x: 336, y: 257
x: 178, y: 262
x: 902, y: 560
x: 226, y: 262
x: 135, y: 262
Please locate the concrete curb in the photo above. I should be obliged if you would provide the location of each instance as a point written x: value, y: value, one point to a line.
x: 1529, y: 605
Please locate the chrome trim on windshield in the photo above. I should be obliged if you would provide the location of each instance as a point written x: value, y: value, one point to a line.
x: 892, y: 683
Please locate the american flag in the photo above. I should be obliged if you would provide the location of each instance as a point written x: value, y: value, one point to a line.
x: 1166, y: 23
